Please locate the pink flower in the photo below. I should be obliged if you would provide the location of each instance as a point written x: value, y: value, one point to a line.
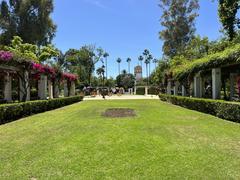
x: 6, y: 56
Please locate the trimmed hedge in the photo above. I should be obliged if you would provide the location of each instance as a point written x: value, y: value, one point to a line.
x: 11, y: 112
x: 222, y: 109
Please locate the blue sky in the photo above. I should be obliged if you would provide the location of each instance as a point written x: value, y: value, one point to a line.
x: 123, y: 28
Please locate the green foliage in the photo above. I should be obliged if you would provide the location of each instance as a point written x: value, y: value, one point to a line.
x: 82, y: 62
x: 219, y: 108
x: 29, y: 52
x: 228, y: 56
x: 227, y: 11
x: 178, y: 19
x: 11, y: 112
x: 125, y: 80
x: 157, y: 77
x: 29, y: 19
x: 140, y: 91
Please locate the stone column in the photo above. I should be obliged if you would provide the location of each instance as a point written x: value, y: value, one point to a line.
x: 146, y: 90
x: 8, y: 88
x: 56, y: 90
x: 42, y: 87
x: 65, y: 88
x: 175, y: 89
x: 216, y: 83
x: 24, y: 87
x: 135, y: 90
x: 169, y: 88
x: 72, y: 89
x: 232, y: 84
x: 198, y: 86
x: 50, y: 89
x: 184, y: 92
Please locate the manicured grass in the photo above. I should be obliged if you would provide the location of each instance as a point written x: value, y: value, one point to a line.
x: 162, y: 142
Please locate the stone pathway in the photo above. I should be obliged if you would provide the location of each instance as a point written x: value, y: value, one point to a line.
x: 123, y: 97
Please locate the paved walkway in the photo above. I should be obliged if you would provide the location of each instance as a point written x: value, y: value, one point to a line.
x: 123, y: 97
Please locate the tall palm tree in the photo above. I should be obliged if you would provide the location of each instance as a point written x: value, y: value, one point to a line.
x: 119, y: 60
x: 101, y: 72
x: 105, y: 55
x: 140, y: 59
x: 146, y: 63
x: 129, y: 61
x: 150, y: 60
x: 155, y: 61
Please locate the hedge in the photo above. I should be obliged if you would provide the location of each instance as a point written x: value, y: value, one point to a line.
x: 11, y: 112
x: 222, y: 109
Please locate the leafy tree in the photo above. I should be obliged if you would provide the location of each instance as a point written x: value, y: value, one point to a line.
x: 157, y: 77
x: 100, y: 73
x: 83, y: 62
x: 29, y: 19
x: 227, y: 11
x: 178, y: 18
x: 125, y: 80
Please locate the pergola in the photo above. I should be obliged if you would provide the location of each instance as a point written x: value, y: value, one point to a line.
x: 28, y: 74
x: 209, y: 76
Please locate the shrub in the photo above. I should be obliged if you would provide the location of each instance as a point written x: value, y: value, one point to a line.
x: 222, y: 109
x: 140, y: 91
x: 11, y: 112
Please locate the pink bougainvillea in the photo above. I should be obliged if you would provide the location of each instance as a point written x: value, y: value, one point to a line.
x: 6, y: 56
x: 45, y: 69
x: 70, y: 77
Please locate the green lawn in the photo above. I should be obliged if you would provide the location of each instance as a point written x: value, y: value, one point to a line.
x: 162, y: 142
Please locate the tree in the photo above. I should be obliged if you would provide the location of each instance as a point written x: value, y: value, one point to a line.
x: 227, y: 11
x: 155, y: 61
x: 178, y: 18
x: 140, y: 59
x: 125, y: 80
x: 129, y: 61
x: 100, y: 73
x: 105, y: 55
x: 147, y: 60
x: 83, y: 62
x: 119, y: 60
x: 29, y: 19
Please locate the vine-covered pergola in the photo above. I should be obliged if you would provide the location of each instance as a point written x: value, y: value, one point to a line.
x: 214, y: 76
x: 21, y: 76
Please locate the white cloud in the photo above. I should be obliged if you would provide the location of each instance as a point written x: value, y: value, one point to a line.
x: 96, y: 3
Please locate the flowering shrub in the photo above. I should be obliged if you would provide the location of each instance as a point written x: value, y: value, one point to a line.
x: 45, y: 69
x: 70, y: 77
x: 6, y: 56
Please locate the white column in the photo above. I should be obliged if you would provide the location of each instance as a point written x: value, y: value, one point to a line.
x: 50, y: 89
x: 232, y: 84
x: 169, y: 88
x: 135, y: 90
x: 66, y: 88
x: 175, y: 89
x: 72, y: 89
x: 24, y: 86
x: 198, y: 86
x: 56, y: 90
x: 216, y: 83
x: 42, y: 87
x: 146, y: 90
x: 184, y: 92
x: 8, y: 87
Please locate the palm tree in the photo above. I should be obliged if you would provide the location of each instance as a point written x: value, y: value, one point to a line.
x: 105, y: 55
x: 101, y: 72
x: 129, y: 61
x: 155, y: 61
x: 150, y: 60
x: 140, y: 58
x: 119, y: 60
x: 147, y: 62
